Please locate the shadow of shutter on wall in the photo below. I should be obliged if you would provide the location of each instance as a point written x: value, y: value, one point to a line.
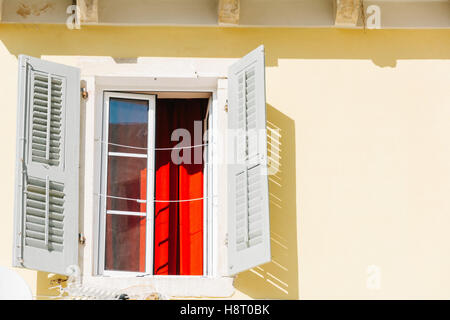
x: 47, y: 162
x: 248, y: 199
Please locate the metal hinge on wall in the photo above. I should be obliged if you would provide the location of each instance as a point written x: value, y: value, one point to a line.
x: 84, y: 93
x: 81, y: 239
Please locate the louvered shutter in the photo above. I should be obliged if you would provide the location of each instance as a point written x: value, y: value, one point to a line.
x: 248, y: 199
x: 47, y: 162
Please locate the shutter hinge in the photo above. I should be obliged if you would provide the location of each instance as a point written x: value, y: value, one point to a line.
x: 225, y: 242
x: 226, y: 106
x: 81, y: 239
x: 84, y: 93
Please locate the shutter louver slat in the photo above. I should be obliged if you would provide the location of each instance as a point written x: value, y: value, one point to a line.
x: 241, y: 212
x: 248, y: 208
x: 49, y: 239
x: 47, y: 166
x: 36, y: 227
x: 45, y: 199
x: 39, y: 221
x: 42, y: 127
x: 40, y: 244
x: 248, y: 219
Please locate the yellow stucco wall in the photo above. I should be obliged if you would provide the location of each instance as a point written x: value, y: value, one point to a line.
x: 365, y: 149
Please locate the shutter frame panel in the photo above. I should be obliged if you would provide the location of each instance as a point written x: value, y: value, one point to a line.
x: 248, y: 195
x: 46, y: 204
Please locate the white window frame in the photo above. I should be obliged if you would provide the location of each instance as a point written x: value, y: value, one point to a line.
x: 151, y: 98
x: 99, y: 74
x: 126, y: 91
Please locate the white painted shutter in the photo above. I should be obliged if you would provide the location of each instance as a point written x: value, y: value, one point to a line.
x: 248, y: 196
x: 47, y: 162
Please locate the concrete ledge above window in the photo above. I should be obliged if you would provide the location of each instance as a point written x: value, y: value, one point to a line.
x: 251, y: 13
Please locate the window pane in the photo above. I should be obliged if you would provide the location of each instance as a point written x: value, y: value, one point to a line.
x: 125, y: 243
x: 128, y: 125
x: 127, y: 178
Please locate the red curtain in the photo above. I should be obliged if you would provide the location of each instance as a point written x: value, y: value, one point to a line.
x: 178, y: 248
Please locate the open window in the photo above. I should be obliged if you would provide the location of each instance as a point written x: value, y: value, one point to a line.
x: 153, y: 167
x: 152, y: 212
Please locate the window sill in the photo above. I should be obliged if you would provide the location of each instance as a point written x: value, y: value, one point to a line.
x: 166, y: 286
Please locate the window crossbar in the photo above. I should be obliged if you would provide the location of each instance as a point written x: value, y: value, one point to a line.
x: 145, y: 201
x: 156, y: 149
